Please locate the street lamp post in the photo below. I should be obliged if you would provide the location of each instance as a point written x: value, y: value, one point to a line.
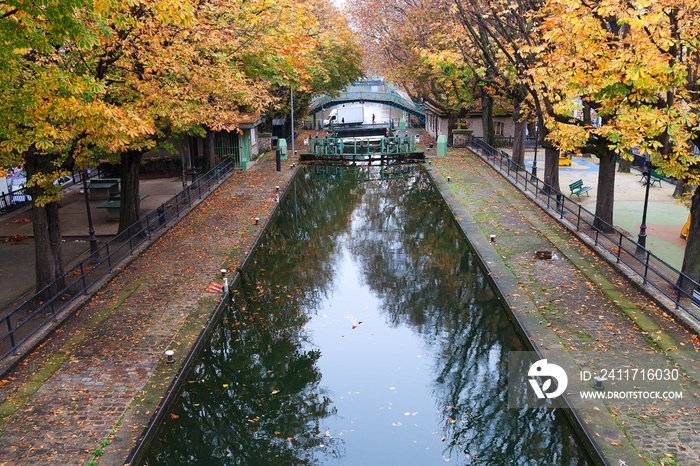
x: 291, y: 98
x: 94, y: 255
x: 642, y: 240
x: 534, y: 160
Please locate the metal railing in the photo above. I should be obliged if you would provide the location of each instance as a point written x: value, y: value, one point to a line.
x: 651, y: 269
x: 20, y: 324
x: 387, y: 98
x: 17, y: 198
x: 13, y: 199
x: 507, y: 141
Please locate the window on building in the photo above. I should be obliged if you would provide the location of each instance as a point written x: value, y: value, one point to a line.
x: 498, y: 128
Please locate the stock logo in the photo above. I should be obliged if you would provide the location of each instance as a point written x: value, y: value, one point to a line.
x: 547, y: 372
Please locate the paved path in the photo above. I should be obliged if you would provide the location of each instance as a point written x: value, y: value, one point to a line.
x: 17, y: 267
x: 93, y: 386
x: 577, y: 310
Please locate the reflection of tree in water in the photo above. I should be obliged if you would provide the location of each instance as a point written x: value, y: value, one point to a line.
x: 254, y: 396
x: 259, y: 406
x: 427, y: 276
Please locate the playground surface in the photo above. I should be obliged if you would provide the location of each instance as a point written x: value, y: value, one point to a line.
x: 666, y: 216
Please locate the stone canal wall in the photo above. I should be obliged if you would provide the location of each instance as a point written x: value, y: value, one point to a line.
x: 91, y: 391
x: 573, y: 307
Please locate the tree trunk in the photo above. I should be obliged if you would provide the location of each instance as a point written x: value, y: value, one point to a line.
x: 532, y: 129
x: 625, y: 165
x: 209, y: 159
x: 680, y: 189
x: 605, y: 192
x: 194, y: 156
x: 452, y: 120
x: 691, y: 259
x: 48, y: 250
x: 519, y: 136
x: 48, y: 242
x: 551, y: 160
x: 130, y: 206
x: 587, y: 114
x: 487, y: 118
x: 551, y: 167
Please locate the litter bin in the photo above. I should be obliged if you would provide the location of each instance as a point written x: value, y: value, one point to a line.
x: 442, y: 145
x: 273, y: 142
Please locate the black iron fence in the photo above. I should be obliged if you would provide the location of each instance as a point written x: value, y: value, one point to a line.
x: 507, y: 141
x: 21, y: 323
x: 13, y: 199
x: 652, y: 270
x: 17, y: 198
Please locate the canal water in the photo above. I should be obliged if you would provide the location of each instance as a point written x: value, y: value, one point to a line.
x: 364, y: 332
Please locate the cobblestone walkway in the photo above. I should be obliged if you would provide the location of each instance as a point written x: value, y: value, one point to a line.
x: 575, y: 307
x: 91, y: 389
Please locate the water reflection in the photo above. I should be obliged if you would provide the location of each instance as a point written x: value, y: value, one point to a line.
x: 364, y: 333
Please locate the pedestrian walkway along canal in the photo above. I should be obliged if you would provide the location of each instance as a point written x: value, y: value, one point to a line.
x: 363, y: 332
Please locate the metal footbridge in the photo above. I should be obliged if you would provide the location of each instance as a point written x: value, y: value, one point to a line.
x: 362, y: 95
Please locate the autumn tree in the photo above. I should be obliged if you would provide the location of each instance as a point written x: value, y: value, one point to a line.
x: 408, y: 42
x: 192, y: 68
x: 335, y: 63
x: 598, y: 55
x: 111, y: 80
x: 673, y: 29
x: 48, y: 104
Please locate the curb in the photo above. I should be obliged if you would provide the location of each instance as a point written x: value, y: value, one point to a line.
x: 169, y: 396
x: 527, y: 323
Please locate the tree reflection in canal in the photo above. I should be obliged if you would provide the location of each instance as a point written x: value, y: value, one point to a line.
x: 428, y: 277
x: 273, y: 387
x: 254, y: 397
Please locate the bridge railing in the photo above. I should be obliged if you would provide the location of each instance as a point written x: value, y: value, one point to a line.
x: 368, y: 96
x: 665, y: 280
x: 339, y: 146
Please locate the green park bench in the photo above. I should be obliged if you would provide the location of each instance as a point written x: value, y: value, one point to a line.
x: 653, y: 178
x: 578, y: 188
x: 113, y: 205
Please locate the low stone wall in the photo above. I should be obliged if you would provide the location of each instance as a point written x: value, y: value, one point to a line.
x: 265, y: 142
x: 460, y: 137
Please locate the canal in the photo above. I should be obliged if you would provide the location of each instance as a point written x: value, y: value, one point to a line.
x: 364, y: 332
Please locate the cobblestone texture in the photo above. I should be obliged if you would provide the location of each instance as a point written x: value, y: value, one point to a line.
x: 102, y: 359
